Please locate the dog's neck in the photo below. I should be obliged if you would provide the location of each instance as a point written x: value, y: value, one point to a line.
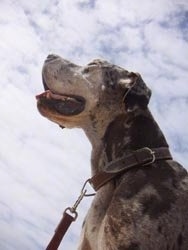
x: 126, y: 133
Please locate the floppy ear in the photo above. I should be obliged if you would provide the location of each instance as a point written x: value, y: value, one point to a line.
x: 136, y: 93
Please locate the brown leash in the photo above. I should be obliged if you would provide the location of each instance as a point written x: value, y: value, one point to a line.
x: 60, y: 231
x: 141, y: 157
x: 67, y: 219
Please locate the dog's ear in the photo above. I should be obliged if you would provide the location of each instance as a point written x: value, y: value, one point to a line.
x: 136, y: 93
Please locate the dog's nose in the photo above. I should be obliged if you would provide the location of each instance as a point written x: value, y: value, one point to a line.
x: 51, y: 57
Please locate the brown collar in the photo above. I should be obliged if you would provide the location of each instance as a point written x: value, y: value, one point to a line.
x: 141, y: 157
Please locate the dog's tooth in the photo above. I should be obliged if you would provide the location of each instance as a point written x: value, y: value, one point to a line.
x: 55, y: 96
x: 64, y: 98
x: 48, y: 95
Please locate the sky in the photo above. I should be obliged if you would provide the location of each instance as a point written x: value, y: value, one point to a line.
x: 42, y: 167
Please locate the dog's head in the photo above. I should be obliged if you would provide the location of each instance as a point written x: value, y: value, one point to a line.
x: 74, y: 93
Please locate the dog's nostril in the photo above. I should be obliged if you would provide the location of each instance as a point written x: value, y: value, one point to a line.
x: 51, y: 57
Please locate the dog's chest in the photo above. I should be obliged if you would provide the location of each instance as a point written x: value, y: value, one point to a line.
x: 93, y: 225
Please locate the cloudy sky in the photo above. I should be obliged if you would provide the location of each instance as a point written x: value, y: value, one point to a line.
x: 43, y: 167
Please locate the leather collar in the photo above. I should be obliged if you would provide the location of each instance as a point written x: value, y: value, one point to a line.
x: 141, y: 157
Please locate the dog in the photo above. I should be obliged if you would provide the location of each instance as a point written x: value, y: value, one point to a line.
x: 144, y: 207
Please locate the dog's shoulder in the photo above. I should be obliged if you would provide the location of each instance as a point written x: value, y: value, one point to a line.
x: 167, y: 173
x: 155, y: 189
x: 153, y: 199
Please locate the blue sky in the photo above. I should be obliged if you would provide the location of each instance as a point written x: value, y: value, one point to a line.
x: 43, y: 167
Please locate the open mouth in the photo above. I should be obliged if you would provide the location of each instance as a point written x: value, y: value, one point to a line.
x: 62, y: 104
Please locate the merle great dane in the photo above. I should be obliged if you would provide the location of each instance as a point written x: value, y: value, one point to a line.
x: 144, y: 208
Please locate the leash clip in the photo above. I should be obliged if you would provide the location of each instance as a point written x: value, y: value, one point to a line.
x: 83, y: 193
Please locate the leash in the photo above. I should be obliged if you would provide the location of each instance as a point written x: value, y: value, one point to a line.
x: 140, y: 157
x: 67, y: 219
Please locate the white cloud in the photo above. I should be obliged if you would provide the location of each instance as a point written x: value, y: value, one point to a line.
x: 38, y: 161
x: 169, y: 42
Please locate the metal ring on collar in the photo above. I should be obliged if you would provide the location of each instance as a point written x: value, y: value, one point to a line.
x: 152, y: 154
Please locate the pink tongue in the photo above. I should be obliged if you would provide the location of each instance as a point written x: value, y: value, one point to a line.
x: 41, y: 95
x: 49, y: 95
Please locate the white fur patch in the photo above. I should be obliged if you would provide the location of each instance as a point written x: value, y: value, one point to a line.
x: 126, y: 82
x: 103, y: 87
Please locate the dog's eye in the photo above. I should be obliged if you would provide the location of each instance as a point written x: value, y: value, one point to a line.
x: 92, y: 64
x: 85, y: 71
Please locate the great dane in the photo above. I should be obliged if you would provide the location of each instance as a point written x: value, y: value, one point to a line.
x: 144, y: 207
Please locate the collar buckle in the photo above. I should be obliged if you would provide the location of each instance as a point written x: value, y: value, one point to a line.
x: 152, y: 154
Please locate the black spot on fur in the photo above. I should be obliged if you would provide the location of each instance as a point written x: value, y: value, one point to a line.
x: 135, y: 184
x: 93, y: 120
x: 110, y: 77
x: 83, y: 223
x: 156, y: 204
x: 138, y: 95
x: 132, y: 99
x: 159, y: 229
x: 113, y: 136
x: 180, y: 240
x: 133, y: 246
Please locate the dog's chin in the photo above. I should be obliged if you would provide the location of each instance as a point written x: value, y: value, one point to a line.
x: 64, y: 105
